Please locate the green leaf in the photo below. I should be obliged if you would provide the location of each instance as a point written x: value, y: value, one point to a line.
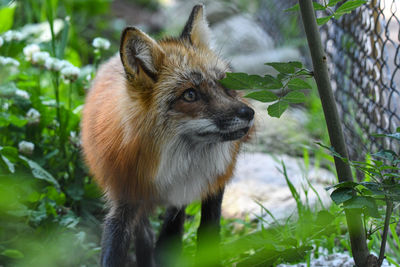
x: 361, y: 202
x: 12, y: 253
x: 285, y: 67
x: 342, y: 184
x: 324, y: 218
x: 318, y: 6
x: 298, y: 84
x: 295, y: 97
x: 243, y: 81
x: 277, y: 109
x: 270, y: 82
x: 262, y: 96
x: 373, y: 187
x: 3, y: 121
x: 349, y: 6
x: 386, y: 154
x: 296, y: 7
x: 40, y: 173
x: 341, y: 195
x: 7, y: 17
x: 17, y: 121
x: 323, y: 20
x: 333, y: 2
x: 10, y: 152
x: 394, y: 135
x: 33, y: 197
x: 10, y: 166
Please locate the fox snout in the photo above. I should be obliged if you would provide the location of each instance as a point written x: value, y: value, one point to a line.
x: 228, y: 125
x: 235, y: 124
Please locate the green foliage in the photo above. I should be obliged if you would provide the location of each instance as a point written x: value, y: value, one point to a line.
x: 344, y: 8
x: 289, y: 80
x: 50, y: 209
x: 375, y: 195
x: 291, y: 241
x: 6, y: 17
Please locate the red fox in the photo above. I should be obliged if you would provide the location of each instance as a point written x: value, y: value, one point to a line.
x: 159, y: 130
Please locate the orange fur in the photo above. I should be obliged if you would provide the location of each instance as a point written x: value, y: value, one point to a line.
x: 122, y: 127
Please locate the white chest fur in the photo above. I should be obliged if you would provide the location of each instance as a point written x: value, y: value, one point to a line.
x: 186, y: 171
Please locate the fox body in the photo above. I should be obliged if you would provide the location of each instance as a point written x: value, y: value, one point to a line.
x: 158, y: 129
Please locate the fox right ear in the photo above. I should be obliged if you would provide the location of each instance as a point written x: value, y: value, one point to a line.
x: 140, y: 53
x: 196, y: 29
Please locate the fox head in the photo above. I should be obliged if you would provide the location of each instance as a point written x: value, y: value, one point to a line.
x: 177, y: 79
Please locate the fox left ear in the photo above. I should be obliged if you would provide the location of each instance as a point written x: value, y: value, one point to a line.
x: 196, y: 29
x: 140, y: 54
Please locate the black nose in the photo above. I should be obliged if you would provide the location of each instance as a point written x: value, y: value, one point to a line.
x: 246, y: 113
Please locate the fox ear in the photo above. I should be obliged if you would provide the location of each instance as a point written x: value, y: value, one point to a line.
x: 140, y: 53
x: 196, y: 29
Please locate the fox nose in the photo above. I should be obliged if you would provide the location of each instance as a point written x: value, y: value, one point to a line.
x: 246, y: 113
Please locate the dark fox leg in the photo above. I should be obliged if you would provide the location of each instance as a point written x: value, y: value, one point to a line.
x: 144, y: 243
x: 208, y: 237
x: 117, y: 235
x: 169, y: 243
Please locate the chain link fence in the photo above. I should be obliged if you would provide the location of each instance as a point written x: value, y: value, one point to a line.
x: 363, y: 50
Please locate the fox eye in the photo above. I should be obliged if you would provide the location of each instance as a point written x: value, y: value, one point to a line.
x: 190, y: 95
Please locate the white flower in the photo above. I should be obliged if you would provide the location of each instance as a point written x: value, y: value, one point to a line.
x: 1, y: 41
x: 8, y: 36
x: 12, y: 36
x: 75, y: 139
x: 29, y: 50
x: 6, y: 106
x: 53, y: 64
x: 22, y: 93
x: 9, y: 61
x: 17, y: 36
x: 101, y: 43
x: 33, y: 115
x: 40, y: 57
x: 26, y: 147
x: 70, y: 73
x: 64, y: 64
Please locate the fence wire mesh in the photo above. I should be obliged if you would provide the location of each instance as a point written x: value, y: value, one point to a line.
x: 363, y: 51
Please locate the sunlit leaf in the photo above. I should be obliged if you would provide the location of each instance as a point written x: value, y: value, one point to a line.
x: 295, y: 97
x: 296, y: 7
x: 318, y: 6
x: 12, y: 253
x: 7, y: 17
x: 333, y: 2
x: 277, y: 109
x: 323, y: 20
x: 243, y: 81
x: 285, y: 67
x: 263, y: 96
x: 298, y: 84
x: 349, y: 6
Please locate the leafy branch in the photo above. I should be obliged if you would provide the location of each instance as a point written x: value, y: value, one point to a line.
x: 381, y: 186
x: 290, y: 81
x: 328, y: 8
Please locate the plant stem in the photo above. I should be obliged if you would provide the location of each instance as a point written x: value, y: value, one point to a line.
x: 354, y: 222
x: 50, y: 19
x: 389, y: 210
